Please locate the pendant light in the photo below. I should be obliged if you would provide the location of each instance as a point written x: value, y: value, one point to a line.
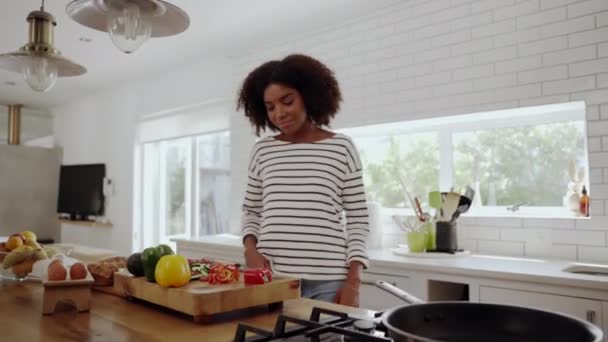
x: 38, y: 60
x: 130, y: 22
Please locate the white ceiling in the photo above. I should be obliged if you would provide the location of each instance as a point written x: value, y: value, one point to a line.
x: 218, y: 28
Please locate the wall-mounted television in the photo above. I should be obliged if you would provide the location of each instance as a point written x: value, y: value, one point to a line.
x: 81, y: 190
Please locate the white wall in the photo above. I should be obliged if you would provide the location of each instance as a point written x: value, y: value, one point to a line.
x: 418, y: 59
x: 101, y: 129
x: 429, y: 58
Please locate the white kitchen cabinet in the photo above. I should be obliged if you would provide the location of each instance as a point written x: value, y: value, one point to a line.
x: 587, y: 309
x: 373, y: 298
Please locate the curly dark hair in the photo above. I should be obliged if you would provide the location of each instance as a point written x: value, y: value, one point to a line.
x: 314, y: 81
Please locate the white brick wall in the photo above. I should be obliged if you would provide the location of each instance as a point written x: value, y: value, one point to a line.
x: 427, y: 58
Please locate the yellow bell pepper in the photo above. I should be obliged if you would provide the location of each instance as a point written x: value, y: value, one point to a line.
x: 172, y: 270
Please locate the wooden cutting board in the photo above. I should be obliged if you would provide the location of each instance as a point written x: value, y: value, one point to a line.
x: 201, y: 300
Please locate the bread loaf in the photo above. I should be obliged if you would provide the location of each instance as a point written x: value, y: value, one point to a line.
x: 103, y: 271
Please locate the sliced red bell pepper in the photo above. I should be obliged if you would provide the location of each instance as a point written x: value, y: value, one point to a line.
x: 255, y: 276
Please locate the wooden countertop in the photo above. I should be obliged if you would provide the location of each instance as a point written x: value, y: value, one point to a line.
x: 112, y: 318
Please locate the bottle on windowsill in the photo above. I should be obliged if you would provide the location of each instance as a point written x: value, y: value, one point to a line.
x: 584, y: 203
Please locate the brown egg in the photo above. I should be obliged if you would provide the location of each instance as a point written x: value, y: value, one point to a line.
x: 78, y: 271
x: 57, y: 271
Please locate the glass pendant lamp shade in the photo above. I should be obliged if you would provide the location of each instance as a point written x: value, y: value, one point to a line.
x: 130, y: 22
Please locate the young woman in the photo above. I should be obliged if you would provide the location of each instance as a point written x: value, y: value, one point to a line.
x: 304, y: 211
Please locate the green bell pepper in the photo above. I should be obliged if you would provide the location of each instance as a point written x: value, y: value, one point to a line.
x: 150, y: 257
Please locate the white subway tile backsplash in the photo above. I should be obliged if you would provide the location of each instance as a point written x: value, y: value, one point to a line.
x: 549, y: 223
x: 594, y: 222
x: 541, y: 18
x: 569, y: 85
x: 597, y: 129
x: 538, y: 250
x: 579, y: 237
x: 598, y: 159
x: 602, y: 81
x: 472, y: 46
x: 519, y: 64
x: 513, y: 234
x: 593, y: 254
x: 499, y: 222
x: 500, y: 81
x: 604, y: 112
x: 539, y: 101
x: 594, y: 144
x: 602, y: 19
x: 589, y: 67
x: 430, y: 7
x: 433, y: 79
x: 588, y: 37
x: 596, y: 207
x: 522, y: 92
x: 495, y: 55
x: 500, y: 248
x: 543, y: 46
x: 473, y: 72
x: 453, y: 88
x: 569, y: 26
x: 596, y: 176
x: 516, y: 37
x: 471, y: 21
x: 605, y: 143
x: 451, y: 38
x: 545, y: 4
x: 453, y: 62
x: 540, y: 75
x: 567, y: 56
x: 606, y: 175
x: 485, y: 5
x: 587, y: 7
x: 432, y: 55
x: 593, y: 113
x: 603, y: 50
x: 482, y: 233
x: 519, y: 9
x: 494, y: 28
x: 591, y: 97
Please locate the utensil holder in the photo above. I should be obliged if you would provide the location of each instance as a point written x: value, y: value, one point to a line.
x: 446, y: 237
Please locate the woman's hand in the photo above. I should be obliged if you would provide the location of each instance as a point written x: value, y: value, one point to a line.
x: 253, y: 258
x: 348, y: 294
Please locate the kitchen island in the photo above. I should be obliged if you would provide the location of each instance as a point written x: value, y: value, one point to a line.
x: 113, y: 318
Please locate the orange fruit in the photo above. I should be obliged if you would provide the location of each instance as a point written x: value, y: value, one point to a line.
x: 13, y: 242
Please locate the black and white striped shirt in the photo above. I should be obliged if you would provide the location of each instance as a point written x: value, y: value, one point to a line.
x: 305, y: 204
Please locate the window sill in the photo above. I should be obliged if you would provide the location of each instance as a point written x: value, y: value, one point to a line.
x: 502, y: 212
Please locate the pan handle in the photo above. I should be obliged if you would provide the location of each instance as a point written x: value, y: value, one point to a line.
x: 395, y: 291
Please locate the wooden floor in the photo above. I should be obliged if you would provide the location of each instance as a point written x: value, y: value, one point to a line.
x: 112, y: 318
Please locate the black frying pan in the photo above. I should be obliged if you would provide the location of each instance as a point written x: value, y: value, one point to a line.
x: 473, y: 322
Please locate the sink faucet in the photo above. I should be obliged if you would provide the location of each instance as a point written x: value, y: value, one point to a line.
x: 515, y: 207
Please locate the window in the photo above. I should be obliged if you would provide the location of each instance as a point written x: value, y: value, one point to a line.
x: 185, y: 187
x: 508, y: 157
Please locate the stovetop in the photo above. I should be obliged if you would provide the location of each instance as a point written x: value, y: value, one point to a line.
x: 323, y: 325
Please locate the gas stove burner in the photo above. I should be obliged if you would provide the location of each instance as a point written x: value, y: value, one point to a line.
x: 338, y: 326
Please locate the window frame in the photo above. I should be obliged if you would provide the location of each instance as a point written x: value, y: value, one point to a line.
x: 447, y: 126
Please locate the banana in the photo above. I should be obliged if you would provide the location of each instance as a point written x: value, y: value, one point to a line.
x: 40, y: 254
x: 16, y: 256
x: 50, y: 251
x: 32, y: 243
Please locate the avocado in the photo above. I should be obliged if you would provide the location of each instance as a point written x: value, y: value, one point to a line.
x: 135, y: 265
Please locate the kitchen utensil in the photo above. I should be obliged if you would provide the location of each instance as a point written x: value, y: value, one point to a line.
x: 419, y: 211
x: 446, y: 237
x: 469, y: 193
x: 473, y: 322
x: 450, y: 205
x: 435, y: 200
x: 463, y: 206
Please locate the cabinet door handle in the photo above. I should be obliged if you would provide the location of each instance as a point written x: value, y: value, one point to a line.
x: 590, y: 316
